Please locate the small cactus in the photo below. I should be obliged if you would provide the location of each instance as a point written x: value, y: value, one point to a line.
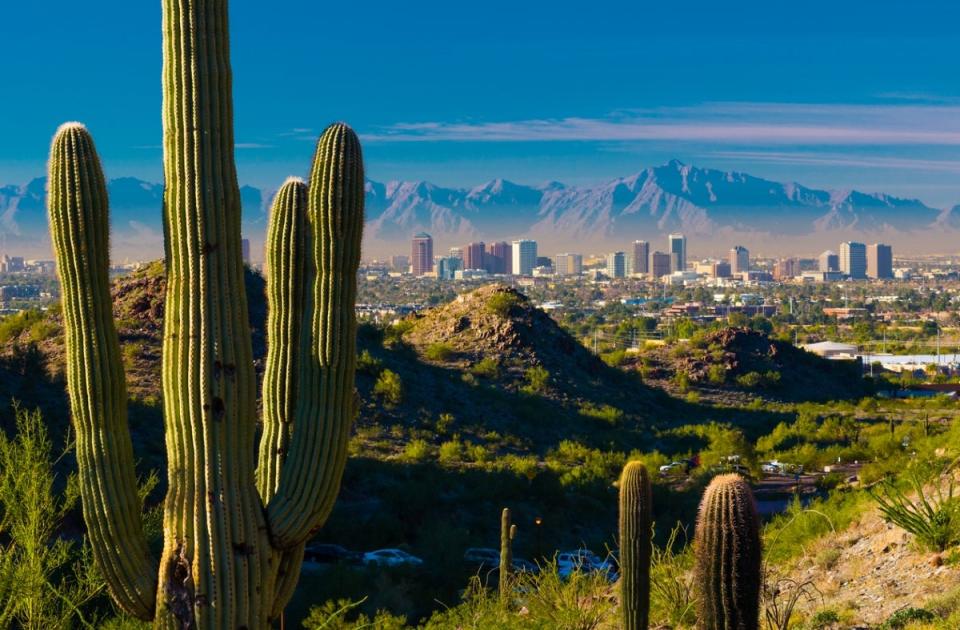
x: 635, y: 545
x: 728, y: 549
x: 508, y: 532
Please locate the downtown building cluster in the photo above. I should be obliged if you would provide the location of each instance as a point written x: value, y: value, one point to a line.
x: 521, y: 258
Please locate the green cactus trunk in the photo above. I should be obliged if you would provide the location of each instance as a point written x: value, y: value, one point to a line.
x: 234, y: 527
x: 508, y: 532
x: 728, y: 569
x: 636, y: 503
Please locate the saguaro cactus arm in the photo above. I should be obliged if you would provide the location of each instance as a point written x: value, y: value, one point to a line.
x: 635, y: 545
x: 79, y: 226
x: 326, y: 405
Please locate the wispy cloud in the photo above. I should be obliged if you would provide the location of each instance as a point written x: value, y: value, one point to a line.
x: 716, y: 123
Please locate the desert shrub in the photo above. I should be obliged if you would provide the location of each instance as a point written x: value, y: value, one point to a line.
x: 502, y: 303
x: 486, y: 368
x: 823, y: 619
x: 682, y: 380
x: 444, y: 422
x: 606, y: 414
x: 389, y: 388
x: 538, y: 378
x: 439, y: 351
x: 615, y: 358
x: 750, y: 380
x: 416, y: 451
x: 902, y: 618
x: 342, y: 615
x: 717, y: 375
x: 45, y: 581
x: 368, y: 364
x: 933, y: 516
x: 13, y: 325
x: 43, y: 330
x: 451, y: 451
x: 672, y: 596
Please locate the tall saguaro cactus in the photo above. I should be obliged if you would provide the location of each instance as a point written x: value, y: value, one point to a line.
x: 636, y: 522
x: 728, y: 556
x: 234, y: 527
x: 508, y: 531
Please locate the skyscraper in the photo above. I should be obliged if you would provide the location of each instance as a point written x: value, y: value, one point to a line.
x: 641, y: 257
x: 659, y: 264
x: 829, y: 261
x: 568, y: 265
x: 786, y: 268
x: 853, y: 259
x: 447, y: 267
x: 524, y: 257
x: 421, y: 254
x: 616, y: 265
x: 879, y: 261
x: 739, y: 260
x: 498, y: 257
x: 456, y: 252
x: 473, y: 255
x: 678, y: 252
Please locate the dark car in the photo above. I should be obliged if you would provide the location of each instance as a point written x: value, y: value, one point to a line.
x: 325, y: 553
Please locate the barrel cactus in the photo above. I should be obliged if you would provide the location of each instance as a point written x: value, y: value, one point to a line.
x: 636, y: 529
x: 234, y: 524
x: 728, y: 570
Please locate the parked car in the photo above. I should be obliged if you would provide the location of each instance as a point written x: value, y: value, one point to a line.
x: 482, y: 556
x: 673, y: 468
x: 324, y: 553
x: 391, y: 558
x: 583, y: 560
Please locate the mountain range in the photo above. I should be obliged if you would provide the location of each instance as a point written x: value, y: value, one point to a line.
x: 706, y: 204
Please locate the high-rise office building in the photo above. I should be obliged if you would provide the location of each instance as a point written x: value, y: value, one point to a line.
x: 447, y: 267
x: 879, y: 261
x: 641, y: 257
x: 786, y: 268
x: 524, y: 257
x: 853, y: 259
x: 568, y: 265
x: 739, y: 260
x: 498, y: 257
x: 721, y: 269
x: 829, y: 261
x: 400, y: 263
x: 660, y: 264
x: 678, y: 252
x: 421, y: 254
x: 473, y: 256
x: 617, y: 265
x: 456, y: 252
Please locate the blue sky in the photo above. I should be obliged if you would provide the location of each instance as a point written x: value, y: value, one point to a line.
x: 833, y: 94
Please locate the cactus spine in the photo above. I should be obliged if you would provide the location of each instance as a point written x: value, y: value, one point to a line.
x: 636, y: 523
x: 728, y: 550
x: 508, y: 531
x: 234, y: 527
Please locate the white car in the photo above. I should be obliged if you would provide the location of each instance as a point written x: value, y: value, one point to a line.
x: 391, y: 558
x: 673, y: 468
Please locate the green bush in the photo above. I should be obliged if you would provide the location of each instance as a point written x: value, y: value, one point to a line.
x: 486, y: 368
x: 342, y: 615
x: 439, y: 351
x: 451, y: 451
x: 369, y: 364
x: 502, y: 303
x: 43, y: 330
x: 13, y: 326
x: 615, y: 358
x: 902, y: 618
x: 606, y: 414
x: 416, y: 451
x: 538, y: 378
x: 389, y: 388
x: 717, y: 375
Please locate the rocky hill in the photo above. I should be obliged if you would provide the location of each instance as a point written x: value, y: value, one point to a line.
x: 725, y: 362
